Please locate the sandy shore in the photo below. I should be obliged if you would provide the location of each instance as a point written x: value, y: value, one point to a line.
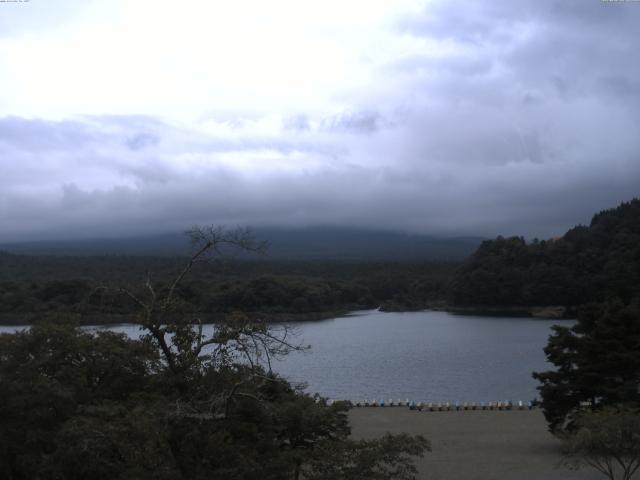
x: 474, y: 445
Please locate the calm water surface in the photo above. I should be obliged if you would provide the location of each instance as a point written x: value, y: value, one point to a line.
x: 427, y: 356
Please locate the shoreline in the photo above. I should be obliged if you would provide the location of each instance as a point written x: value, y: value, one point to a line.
x: 546, y: 312
x: 100, y: 319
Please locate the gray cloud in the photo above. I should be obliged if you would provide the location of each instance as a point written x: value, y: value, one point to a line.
x: 353, y: 122
x: 140, y: 141
x: 435, y: 197
x: 528, y: 126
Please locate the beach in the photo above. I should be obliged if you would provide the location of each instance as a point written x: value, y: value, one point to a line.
x: 474, y: 445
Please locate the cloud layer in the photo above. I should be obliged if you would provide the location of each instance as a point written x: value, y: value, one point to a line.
x: 455, y: 118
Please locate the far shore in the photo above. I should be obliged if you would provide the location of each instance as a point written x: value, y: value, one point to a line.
x: 547, y: 312
x: 474, y: 445
x: 100, y: 319
x: 103, y: 319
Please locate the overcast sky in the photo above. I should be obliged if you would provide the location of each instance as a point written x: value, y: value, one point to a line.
x: 441, y: 117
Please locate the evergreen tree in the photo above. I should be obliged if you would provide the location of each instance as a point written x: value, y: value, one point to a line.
x: 597, y: 360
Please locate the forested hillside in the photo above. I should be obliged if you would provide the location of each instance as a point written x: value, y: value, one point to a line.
x: 33, y: 287
x: 588, y: 264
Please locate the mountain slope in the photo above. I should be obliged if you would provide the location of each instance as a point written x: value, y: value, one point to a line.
x: 284, y: 244
x: 589, y: 263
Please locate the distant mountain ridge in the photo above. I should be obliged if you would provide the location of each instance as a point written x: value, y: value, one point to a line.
x: 284, y: 244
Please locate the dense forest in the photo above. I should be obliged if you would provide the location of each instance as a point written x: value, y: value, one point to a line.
x: 176, y: 404
x: 588, y: 264
x: 593, y: 274
x: 36, y: 287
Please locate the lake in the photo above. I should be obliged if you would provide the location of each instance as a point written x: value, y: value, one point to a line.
x: 422, y: 356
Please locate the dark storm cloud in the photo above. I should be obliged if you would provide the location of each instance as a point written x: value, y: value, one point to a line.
x: 525, y: 123
x: 154, y: 194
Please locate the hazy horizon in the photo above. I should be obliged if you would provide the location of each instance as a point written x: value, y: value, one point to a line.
x: 444, y: 118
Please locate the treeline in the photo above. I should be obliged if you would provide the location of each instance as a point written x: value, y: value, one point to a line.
x: 597, y: 362
x: 31, y: 286
x: 588, y: 264
x: 176, y: 403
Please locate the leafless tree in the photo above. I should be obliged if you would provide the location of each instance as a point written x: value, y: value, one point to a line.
x: 184, y: 346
